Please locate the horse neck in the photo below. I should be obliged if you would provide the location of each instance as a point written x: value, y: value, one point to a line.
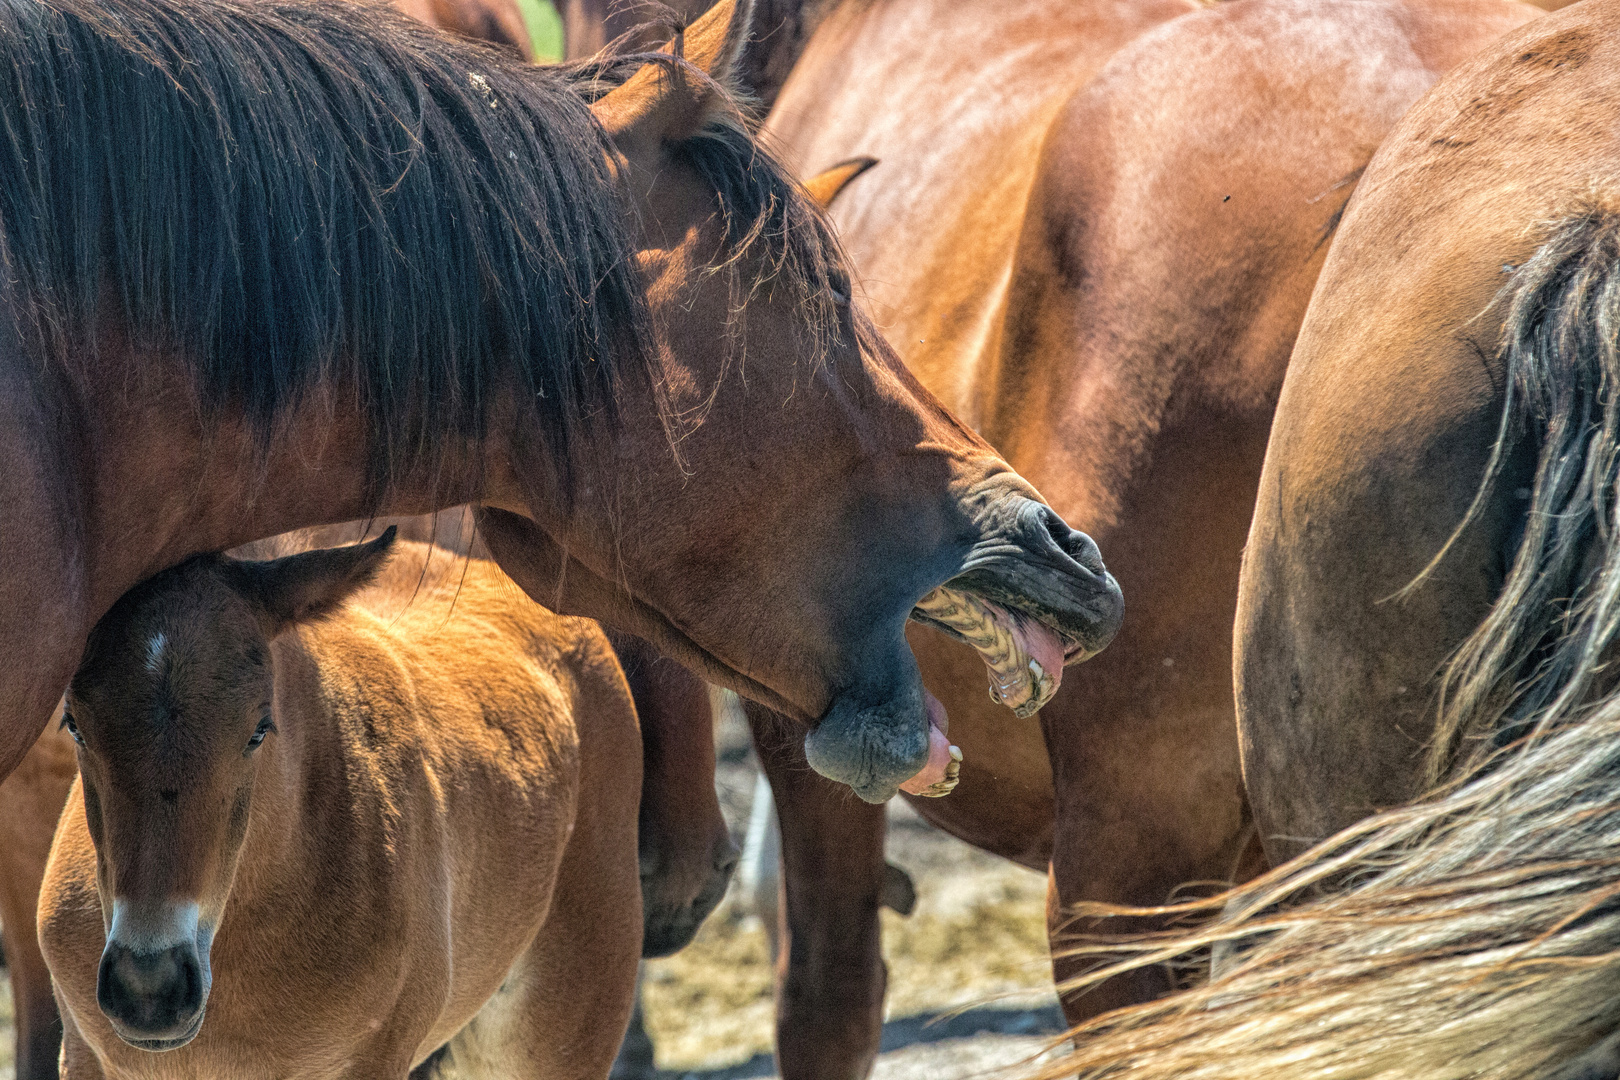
x: 160, y: 482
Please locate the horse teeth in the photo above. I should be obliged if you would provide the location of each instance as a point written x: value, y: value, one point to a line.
x: 956, y: 754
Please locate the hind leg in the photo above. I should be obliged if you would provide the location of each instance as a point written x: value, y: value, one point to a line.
x: 561, y: 1013
x: 1336, y: 672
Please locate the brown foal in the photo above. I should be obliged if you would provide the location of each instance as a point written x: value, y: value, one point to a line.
x: 389, y: 808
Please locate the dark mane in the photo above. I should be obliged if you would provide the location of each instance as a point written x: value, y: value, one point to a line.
x: 294, y: 195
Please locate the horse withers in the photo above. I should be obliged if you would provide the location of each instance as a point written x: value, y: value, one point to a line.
x: 341, y: 815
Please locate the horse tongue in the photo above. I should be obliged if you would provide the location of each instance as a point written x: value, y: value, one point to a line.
x: 1045, y: 648
x: 939, y: 776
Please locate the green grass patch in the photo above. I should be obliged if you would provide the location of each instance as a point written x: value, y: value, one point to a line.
x: 545, y: 29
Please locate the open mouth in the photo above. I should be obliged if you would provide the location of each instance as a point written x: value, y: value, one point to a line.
x: 1024, y: 659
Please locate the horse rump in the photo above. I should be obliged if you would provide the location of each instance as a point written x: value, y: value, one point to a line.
x: 1475, y: 933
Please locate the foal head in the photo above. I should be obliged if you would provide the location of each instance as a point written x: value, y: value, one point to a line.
x: 171, y: 709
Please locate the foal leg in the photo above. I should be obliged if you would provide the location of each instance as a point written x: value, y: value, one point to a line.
x: 830, y: 974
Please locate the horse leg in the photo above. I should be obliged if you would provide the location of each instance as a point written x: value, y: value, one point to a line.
x: 686, y: 852
x: 43, y: 586
x: 830, y: 975
x: 562, y: 1010
x: 1141, y: 812
x: 31, y: 800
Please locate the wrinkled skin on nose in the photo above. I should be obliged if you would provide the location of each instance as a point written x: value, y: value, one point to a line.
x: 154, y: 977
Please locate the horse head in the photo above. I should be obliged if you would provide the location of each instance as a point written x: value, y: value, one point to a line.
x: 171, y: 709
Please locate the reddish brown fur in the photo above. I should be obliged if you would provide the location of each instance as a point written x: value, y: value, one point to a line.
x: 758, y: 569
x: 446, y: 809
x: 686, y: 850
x: 1106, y: 282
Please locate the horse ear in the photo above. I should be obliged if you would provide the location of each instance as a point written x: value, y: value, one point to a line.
x: 658, y: 104
x: 825, y: 186
x: 311, y: 585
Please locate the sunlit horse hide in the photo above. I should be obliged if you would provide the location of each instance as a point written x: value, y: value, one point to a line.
x: 1094, y: 233
x: 336, y: 266
x: 686, y: 855
x: 337, y: 817
x: 1429, y: 592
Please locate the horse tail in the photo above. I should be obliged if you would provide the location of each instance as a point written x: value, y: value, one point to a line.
x: 1475, y: 933
x: 1537, y: 658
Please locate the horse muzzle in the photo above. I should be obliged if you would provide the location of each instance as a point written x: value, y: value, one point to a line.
x: 1032, y: 596
x: 153, y: 986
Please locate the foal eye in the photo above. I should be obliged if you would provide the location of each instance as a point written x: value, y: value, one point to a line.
x: 72, y: 728
x: 265, y: 727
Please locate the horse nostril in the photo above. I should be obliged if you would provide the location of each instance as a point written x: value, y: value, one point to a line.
x: 1074, y: 543
x: 158, y: 992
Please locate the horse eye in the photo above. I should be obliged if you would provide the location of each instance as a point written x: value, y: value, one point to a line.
x: 266, y: 726
x: 72, y: 728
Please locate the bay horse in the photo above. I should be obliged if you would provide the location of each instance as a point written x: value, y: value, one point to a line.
x: 685, y: 855
x: 337, y: 266
x: 1428, y: 598
x: 1150, y: 191
x: 344, y: 815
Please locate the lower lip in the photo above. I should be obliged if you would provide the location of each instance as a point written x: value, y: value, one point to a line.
x: 158, y: 1046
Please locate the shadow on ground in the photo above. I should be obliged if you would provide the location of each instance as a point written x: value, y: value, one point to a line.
x: 1030, y: 1027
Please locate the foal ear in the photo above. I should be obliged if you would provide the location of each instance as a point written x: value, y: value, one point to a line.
x: 659, y: 104
x: 825, y: 186
x: 312, y: 584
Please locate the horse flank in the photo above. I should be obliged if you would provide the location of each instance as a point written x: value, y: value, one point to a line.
x: 320, y: 195
x: 1472, y: 934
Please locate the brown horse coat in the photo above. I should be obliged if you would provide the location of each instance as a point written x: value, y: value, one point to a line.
x: 419, y: 348
x: 1102, y: 266
x: 440, y: 833
x: 1431, y: 589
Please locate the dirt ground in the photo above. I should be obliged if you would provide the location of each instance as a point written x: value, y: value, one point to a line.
x: 969, y: 986
x: 969, y: 981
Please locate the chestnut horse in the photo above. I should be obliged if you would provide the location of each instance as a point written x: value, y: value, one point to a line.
x: 352, y: 267
x: 337, y: 818
x: 1430, y: 593
x: 685, y: 852
x: 1146, y: 231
